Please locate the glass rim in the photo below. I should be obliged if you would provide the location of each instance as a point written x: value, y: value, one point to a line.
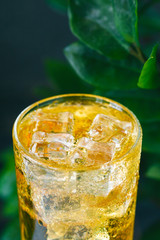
x: 41, y: 161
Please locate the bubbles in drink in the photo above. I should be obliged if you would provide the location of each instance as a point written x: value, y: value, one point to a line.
x: 105, y: 127
x: 78, y: 232
x: 70, y: 202
x: 51, y: 145
x: 61, y: 122
x: 104, y: 136
x: 88, y: 152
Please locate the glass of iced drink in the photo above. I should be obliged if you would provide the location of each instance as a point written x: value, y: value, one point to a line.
x: 77, y: 166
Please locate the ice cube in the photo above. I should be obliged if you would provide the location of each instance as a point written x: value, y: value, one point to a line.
x: 60, y: 203
x: 100, y: 234
x: 38, y: 137
x: 51, y: 145
x: 104, y: 127
x: 88, y: 152
x: 56, y: 231
x: 119, y: 139
x: 53, y: 122
x: 49, y: 150
x: 103, y: 181
x: 77, y: 232
x: 64, y: 138
x: 77, y: 157
x: 53, y: 201
x: 123, y: 196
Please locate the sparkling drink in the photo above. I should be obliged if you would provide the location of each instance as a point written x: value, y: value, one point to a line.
x: 77, y: 166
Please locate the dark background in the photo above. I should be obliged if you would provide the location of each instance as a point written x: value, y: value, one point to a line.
x: 30, y: 33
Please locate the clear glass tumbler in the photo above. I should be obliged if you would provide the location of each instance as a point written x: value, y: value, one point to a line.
x: 77, y: 166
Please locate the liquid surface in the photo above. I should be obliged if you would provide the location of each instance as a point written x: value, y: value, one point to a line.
x: 70, y: 202
x: 77, y: 135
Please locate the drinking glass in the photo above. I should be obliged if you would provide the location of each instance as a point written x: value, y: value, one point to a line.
x: 77, y: 167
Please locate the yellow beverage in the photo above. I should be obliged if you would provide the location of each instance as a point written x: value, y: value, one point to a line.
x: 77, y: 165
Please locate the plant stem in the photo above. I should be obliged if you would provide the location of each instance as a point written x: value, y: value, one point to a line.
x: 136, y: 51
x: 141, y: 55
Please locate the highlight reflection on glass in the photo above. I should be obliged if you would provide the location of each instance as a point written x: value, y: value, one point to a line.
x: 77, y: 165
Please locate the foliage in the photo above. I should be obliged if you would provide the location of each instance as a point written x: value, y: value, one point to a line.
x: 8, y: 197
x: 111, y: 55
x: 61, y: 5
x: 149, y: 77
x: 101, y: 72
x: 153, y: 171
x: 116, y: 56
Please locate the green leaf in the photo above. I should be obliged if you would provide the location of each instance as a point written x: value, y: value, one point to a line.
x: 150, y: 23
x: 95, y: 23
x: 8, y: 177
x: 151, y: 136
x: 11, y: 231
x: 7, y: 184
x: 144, y: 103
x: 8, y: 191
x: 7, y: 158
x: 58, y: 4
x: 101, y: 72
x: 126, y: 12
x: 154, y: 171
x: 63, y: 78
x: 147, y: 161
x: 150, y: 166
x: 148, y: 189
x: 149, y: 28
x: 150, y: 77
x: 11, y: 206
x: 152, y: 232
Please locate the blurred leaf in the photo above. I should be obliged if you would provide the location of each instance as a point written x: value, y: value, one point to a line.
x: 8, y: 178
x: 150, y: 23
x: 149, y: 29
x: 148, y: 189
x: 93, y: 22
x: 154, y: 171
x: 7, y: 184
x: 58, y: 4
x: 144, y: 103
x: 152, y: 232
x: 8, y: 191
x: 11, y: 206
x: 151, y: 136
x: 63, y: 78
x: 7, y: 158
x: 11, y: 231
x: 150, y: 77
x: 150, y: 165
x: 148, y: 160
x: 100, y: 72
x: 126, y: 12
